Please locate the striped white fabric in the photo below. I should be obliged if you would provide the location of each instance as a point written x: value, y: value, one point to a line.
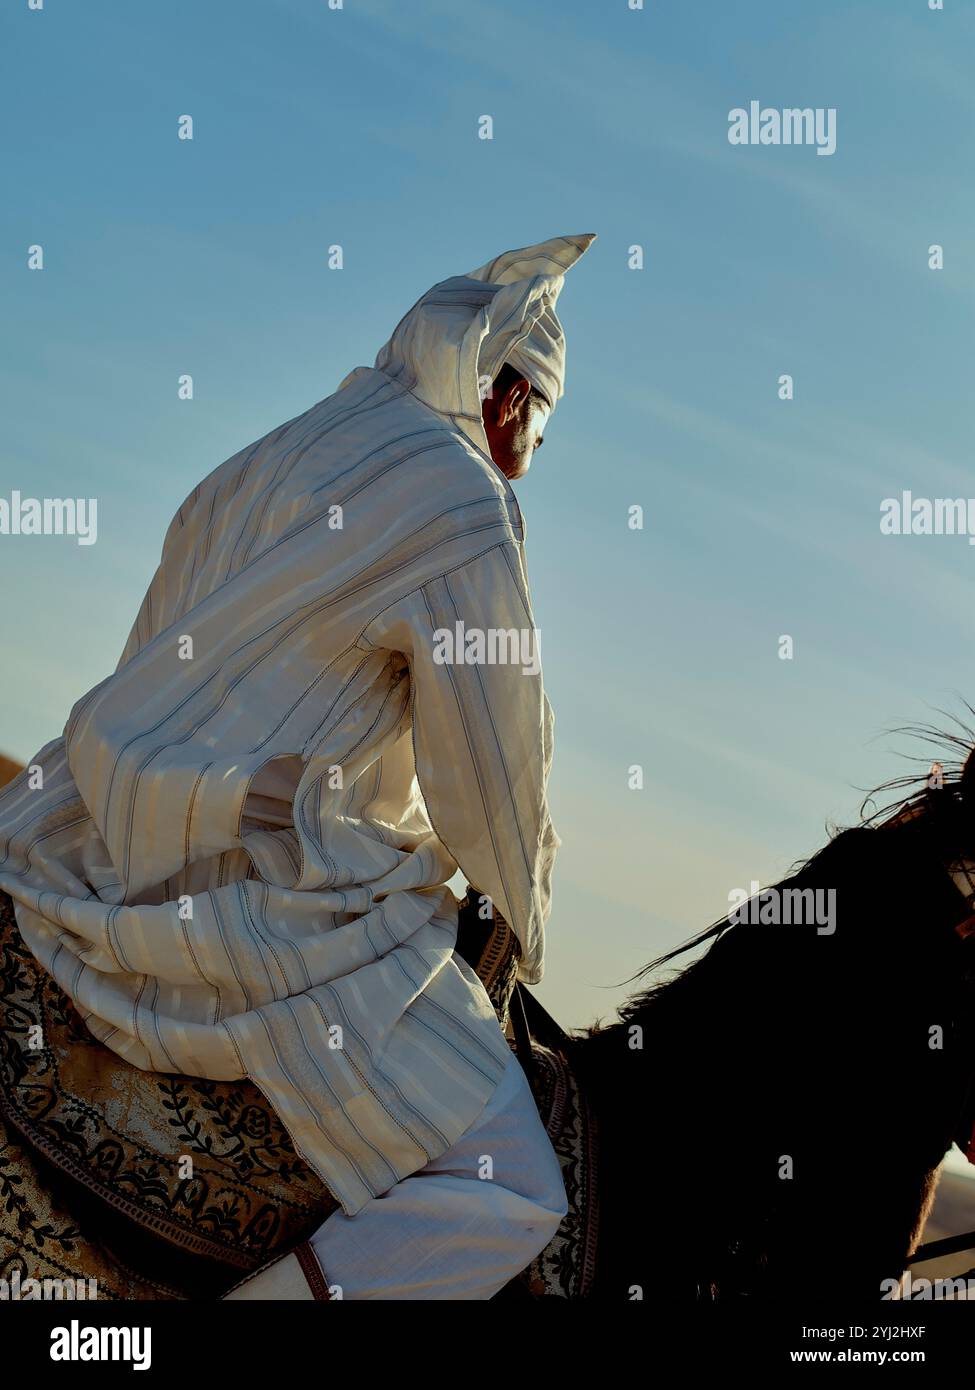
x: 236, y: 863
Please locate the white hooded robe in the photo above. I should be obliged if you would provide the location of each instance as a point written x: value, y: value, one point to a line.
x: 236, y: 862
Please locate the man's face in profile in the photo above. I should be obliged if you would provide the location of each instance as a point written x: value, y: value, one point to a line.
x: 514, y: 418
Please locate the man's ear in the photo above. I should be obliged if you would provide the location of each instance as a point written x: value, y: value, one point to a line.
x: 513, y: 400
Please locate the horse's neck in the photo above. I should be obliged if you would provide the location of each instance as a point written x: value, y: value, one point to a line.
x: 695, y: 1173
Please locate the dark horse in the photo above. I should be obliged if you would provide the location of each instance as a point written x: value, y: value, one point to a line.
x: 770, y: 1122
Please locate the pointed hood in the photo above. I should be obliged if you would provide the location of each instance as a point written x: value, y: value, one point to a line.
x: 455, y: 339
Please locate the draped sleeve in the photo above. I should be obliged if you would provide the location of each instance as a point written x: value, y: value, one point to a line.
x: 482, y: 731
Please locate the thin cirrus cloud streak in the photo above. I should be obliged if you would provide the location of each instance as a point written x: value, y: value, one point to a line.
x: 840, y: 536
x: 460, y: 34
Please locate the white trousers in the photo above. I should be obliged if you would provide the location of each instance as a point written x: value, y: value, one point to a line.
x: 464, y: 1225
x: 458, y: 1229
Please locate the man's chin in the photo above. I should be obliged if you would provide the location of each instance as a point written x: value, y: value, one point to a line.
x: 512, y: 471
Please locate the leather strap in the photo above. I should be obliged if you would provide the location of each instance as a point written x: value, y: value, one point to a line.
x: 519, y: 1024
x: 313, y: 1272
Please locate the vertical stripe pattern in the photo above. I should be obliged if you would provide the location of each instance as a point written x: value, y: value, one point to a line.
x: 235, y: 858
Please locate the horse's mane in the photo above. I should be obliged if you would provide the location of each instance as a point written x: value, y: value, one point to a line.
x: 946, y: 813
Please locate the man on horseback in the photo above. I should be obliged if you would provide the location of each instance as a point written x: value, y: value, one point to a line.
x: 235, y: 861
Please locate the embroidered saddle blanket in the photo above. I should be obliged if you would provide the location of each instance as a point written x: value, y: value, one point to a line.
x: 172, y: 1187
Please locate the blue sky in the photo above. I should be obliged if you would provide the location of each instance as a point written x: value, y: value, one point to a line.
x: 358, y: 127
